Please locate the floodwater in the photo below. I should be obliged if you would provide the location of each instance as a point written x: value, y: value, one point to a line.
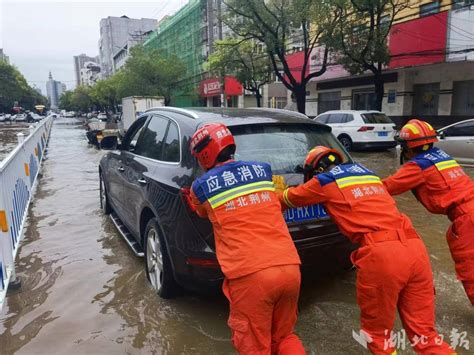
x: 8, y: 136
x: 85, y: 292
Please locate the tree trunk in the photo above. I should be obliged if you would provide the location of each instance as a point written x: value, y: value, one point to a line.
x: 379, y: 91
x: 300, y: 96
x: 258, y: 97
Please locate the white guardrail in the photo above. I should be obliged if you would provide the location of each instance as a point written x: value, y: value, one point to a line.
x: 18, y: 173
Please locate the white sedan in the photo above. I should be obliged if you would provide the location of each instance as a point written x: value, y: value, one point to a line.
x: 360, y: 129
x: 458, y: 141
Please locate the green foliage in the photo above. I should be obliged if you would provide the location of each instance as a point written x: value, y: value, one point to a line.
x: 361, y: 33
x: 146, y: 73
x: 14, y: 88
x: 284, y: 26
x: 360, y: 37
x: 150, y: 73
x: 242, y: 58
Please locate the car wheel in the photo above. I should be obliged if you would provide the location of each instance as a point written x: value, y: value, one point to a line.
x: 104, y: 199
x: 346, y: 141
x: 158, y: 265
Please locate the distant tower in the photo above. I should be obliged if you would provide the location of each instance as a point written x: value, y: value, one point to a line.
x: 52, y: 91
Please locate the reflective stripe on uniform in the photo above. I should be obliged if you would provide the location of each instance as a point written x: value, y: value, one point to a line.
x: 446, y: 164
x: 228, y: 195
x: 287, y: 201
x: 358, y: 180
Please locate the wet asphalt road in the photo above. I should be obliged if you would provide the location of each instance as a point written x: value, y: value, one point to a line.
x: 85, y: 292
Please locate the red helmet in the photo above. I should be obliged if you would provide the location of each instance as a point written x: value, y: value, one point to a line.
x: 208, y: 141
x: 417, y: 133
x: 318, y: 159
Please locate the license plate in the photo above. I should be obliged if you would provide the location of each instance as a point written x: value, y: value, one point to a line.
x: 383, y: 134
x: 303, y: 214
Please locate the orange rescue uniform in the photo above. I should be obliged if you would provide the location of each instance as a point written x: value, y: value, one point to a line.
x: 442, y: 186
x: 256, y: 255
x: 393, y: 266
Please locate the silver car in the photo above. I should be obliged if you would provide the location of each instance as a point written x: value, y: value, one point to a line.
x: 458, y: 141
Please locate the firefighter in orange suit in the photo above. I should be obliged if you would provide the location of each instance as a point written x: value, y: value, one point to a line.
x: 442, y: 186
x: 253, y: 245
x: 393, y: 266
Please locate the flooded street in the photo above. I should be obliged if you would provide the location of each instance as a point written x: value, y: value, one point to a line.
x: 8, y: 136
x: 84, y: 291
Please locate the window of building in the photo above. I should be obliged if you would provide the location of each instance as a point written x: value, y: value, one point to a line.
x: 277, y: 102
x: 425, y: 99
x: 277, y: 78
x: 150, y: 141
x: 429, y: 9
x: 463, y: 98
x: 328, y: 101
x: 363, y: 100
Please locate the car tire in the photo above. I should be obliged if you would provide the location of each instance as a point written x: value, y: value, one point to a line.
x: 104, y: 198
x: 346, y: 141
x: 157, y: 262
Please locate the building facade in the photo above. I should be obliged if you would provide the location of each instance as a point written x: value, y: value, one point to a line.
x: 115, y: 34
x: 430, y: 74
x: 89, y: 74
x: 185, y: 36
x: 54, y: 90
x: 191, y: 34
x: 79, y: 61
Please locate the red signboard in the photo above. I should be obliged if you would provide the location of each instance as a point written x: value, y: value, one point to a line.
x: 419, y: 41
x: 212, y: 87
x: 295, y: 63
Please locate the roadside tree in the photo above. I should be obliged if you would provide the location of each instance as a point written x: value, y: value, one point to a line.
x: 360, y: 37
x: 285, y: 27
x: 15, y: 89
x: 149, y: 72
x: 246, y: 60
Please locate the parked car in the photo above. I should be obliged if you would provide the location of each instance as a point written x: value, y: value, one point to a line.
x: 2, y: 117
x: 145, y: 184
x: 21, y: 117
x: 458, y: 141
x: 358, y: 130
x: 35, y: 117
x: 102, y: 117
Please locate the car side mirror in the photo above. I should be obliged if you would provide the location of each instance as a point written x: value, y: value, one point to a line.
x: 109, y: 143
x: 441, y: 135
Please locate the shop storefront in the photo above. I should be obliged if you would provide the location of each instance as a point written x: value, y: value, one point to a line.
x: 212, y: 90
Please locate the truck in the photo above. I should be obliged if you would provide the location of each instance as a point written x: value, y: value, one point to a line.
x: 133, y: 106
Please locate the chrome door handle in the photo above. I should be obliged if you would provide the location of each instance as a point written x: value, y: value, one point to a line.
x: 121, y: 169
x: 142, y: 181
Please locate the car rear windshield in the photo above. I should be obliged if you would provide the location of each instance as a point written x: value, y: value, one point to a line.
x: 376, y: 118
x: 284, y: 147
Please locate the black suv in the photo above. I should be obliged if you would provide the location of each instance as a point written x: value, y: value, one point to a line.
x: 144, y: 186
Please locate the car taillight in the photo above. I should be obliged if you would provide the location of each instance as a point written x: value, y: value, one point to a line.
x: 186, y: 192
x: 211, y: 263
x: 365, y: 128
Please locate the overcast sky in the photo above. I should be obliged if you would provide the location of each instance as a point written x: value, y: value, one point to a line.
x: 40, y: 36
